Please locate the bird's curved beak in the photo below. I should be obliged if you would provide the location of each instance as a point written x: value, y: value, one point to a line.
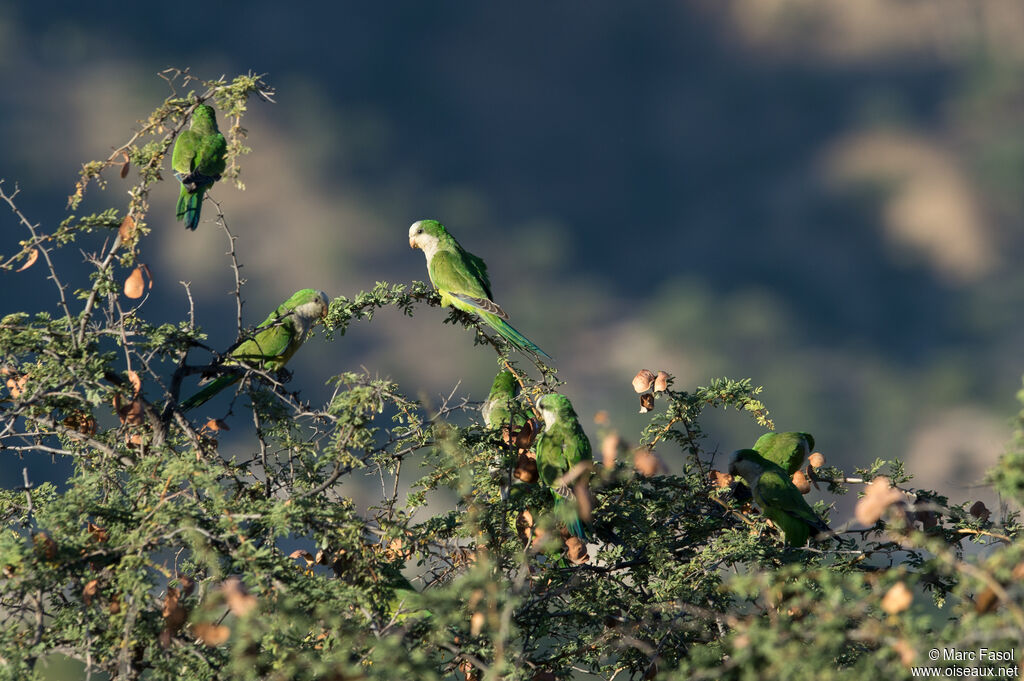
x: 412, y: 243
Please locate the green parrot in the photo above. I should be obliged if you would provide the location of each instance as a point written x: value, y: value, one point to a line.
x: 461, y: 279
x: 560, y: 446
x: 501, y: 407
x: 778, y: 498
x: 788, y: 450
x: 274, y: 342
x: 197, y: 161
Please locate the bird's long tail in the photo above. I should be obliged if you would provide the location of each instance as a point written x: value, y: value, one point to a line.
x: 518, y: 340
x: 209, y: 391
x: 575, y: 525
x: 189, y: 205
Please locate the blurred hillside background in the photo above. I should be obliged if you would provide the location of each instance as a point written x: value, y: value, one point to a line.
x: 823, y: 196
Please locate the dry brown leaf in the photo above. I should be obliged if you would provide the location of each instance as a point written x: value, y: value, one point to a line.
x: 980, y: 511
x: 643, y: 380
x: 124, y: 169
x: 211, y: 634
x: 33, y: 255
x: 897, y: 599
x: 240, y: 601
x: 303, y: 554
x: 115, y: 605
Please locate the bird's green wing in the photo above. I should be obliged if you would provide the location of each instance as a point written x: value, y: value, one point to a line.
x: 478, y: 269
x: 272, y: 346
x: 788, y: 450
x: 782, y: 502
x: 185, y: 149
x: 209, y: 159
x: 453, y: 275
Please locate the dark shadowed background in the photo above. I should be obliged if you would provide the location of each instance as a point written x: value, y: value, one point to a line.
x: 825, y: 197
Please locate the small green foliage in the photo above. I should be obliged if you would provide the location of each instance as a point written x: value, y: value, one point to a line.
x: 375, y: 537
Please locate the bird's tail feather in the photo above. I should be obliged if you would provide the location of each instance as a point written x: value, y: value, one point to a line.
x: 189, y: 206
x: 518, y: 340
x: 575, y: 525
x: 209, y: 391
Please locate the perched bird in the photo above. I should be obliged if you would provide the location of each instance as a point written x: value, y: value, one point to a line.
x: 197, y: 161
x: 778, y: 498
x: 461, y: 279
x: 273, y: 343
x: 788, y: 450
x: 561, y: 446
x: 501, y: 409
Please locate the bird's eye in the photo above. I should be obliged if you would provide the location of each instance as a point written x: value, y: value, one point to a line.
x: 419, y: 231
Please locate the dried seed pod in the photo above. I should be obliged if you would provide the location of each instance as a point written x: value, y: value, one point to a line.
x: 610, y: 449
x: 577, y: 550
x: 801, y: 482
x: 719, y: 479
x: 646, y: 403
x: 525, y: 436
x: 661, y: 382
x: 211, y: 634
x: 525, y: 526
x: 643, y: 380
x: 526, y: 469
x: 980, y: 511
x: 897, y: 599
x: 817, y: 460
x: 877, y: 498
x: 647, y: 463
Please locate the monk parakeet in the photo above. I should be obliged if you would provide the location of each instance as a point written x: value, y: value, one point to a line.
x: 274, y: 341
x: 461, y: 279
x: 197, y: 161
x: 788, y: 450
x: 560, y: 446
x: 501, y: 408
x: 777, y: 497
